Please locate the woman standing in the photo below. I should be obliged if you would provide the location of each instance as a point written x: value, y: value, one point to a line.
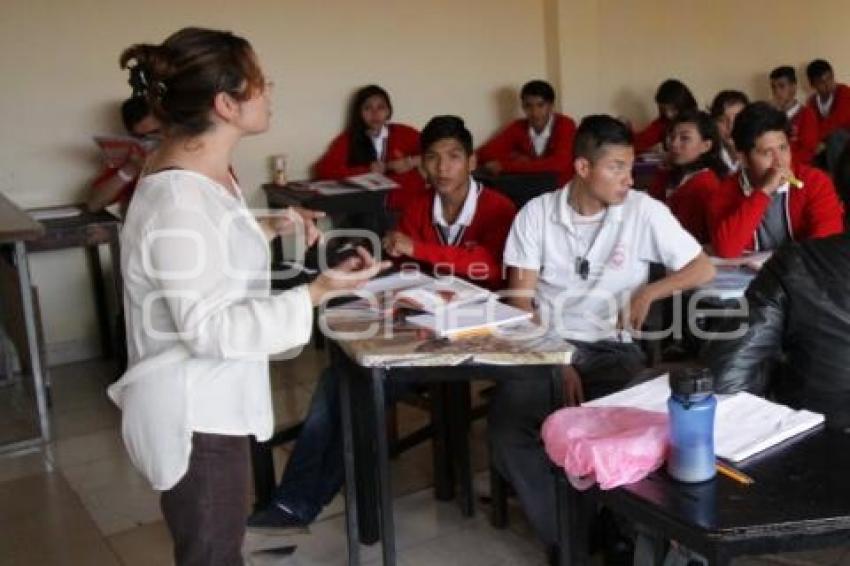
x: 201, y: 321
x: 371, y: 143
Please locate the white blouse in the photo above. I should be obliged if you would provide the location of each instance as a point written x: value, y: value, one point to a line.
x: 201, y: 321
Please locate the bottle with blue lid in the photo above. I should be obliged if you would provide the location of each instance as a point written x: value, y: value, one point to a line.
x: 691, y: 407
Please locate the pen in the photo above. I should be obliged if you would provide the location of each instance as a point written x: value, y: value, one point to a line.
x: 795, y: 182
x: 734, y: 474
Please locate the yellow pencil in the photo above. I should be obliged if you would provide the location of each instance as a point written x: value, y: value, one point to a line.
x: 734, y: 474
x: 795, y: 182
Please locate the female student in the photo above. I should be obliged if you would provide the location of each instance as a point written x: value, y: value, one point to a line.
x: 694, y: 173
x: 371, y: 143
x: 672, y: 98
x: 724, y: 108
x: 201, y: 321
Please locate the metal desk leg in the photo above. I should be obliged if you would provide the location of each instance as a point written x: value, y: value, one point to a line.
x: 351, y: 525
x: 23, y: 268
x: 572, y: 523
x: 459, y: 403
x: 96, y: 271
x: 441, y: 454
x: 383, y: 464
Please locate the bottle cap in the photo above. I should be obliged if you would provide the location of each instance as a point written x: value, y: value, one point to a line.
x: 690, y: 381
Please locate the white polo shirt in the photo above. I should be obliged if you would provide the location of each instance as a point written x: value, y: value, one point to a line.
x: 541, y: 140
x: 635, y: 233
x: 453, y: 232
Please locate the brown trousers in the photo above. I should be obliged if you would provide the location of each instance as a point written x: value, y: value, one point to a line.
x: 205, y: 512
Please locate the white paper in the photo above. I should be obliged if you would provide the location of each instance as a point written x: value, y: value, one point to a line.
x: 54, y: 213
x: 744, y: 424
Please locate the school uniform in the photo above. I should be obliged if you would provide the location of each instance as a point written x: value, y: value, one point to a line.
x: 742, y: 218
x: 581, y: 305
x: 472, y: 246
x: 834, y: 114
x: 688, y: 199
x: 401, y: 141
x: 517, y: 150
x: 804, y: 133
x: 652, y: 135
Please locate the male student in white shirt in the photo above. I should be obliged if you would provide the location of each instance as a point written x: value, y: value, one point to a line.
x: 579, y: 258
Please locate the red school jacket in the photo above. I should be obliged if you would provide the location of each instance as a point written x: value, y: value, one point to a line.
x: 813, y: 212
x: 651, y: 135
x: 403, y: 141
x: 839, y: 114
x: 478, y: 254
x: 804, y: 135
x: 689, y: 201
x: 513, y: 149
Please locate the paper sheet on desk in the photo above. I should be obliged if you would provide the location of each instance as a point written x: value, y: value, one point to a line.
x: 744, y: 424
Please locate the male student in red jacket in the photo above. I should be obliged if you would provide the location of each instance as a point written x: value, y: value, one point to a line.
x: 759, y: 208
x: 543, y: 141
x: 831, y: 104
x: 802, y: 119
x: 459, y: 227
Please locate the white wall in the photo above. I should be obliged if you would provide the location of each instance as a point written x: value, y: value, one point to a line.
x: 61, y: 83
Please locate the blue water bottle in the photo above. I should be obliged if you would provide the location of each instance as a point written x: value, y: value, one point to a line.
x: 691, y: 407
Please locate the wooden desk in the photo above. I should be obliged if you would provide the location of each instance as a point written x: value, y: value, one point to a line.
x: 17, y: 228
x: 800, y: 500
x: 89, y: 230
x: 365, y: 208
x: 402, y: 353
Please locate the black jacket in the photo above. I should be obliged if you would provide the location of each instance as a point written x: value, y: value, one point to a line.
x: 800, y: 313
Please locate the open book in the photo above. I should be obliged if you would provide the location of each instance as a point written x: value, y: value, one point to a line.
x: 470, y: 319
x: 115, y: 150
x: 744, y: 424
x: 449, y: 306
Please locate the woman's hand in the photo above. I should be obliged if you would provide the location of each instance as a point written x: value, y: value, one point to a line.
x: 378, y: 167
x: 291, y: 221
x: 349, y: 275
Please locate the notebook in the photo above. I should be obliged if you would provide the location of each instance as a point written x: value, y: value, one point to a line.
x: 744, y: 424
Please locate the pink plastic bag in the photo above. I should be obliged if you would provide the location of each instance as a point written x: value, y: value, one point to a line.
x: 611, y: 445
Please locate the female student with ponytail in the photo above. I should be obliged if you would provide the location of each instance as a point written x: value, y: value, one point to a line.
x: 371, y: 143
x: 694, y: 171
x: 672, y: 98
x: 201, y: 320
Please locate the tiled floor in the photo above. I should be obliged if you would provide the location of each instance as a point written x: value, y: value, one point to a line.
x: 80, y: 502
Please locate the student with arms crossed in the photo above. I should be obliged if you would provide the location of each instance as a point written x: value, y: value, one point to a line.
x: 831, y: 104
x: 672, y: 98
x: 373, y: 144
x: 458, y: 226
x: 757, y: 209
x: 802, y: 119
x: 694, y: 172
x: 542, y: 142
x: 579, y: 258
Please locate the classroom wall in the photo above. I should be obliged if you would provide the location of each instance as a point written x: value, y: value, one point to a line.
x: 58, y: 67
x: 61, y: 84
x: 614, y: 53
